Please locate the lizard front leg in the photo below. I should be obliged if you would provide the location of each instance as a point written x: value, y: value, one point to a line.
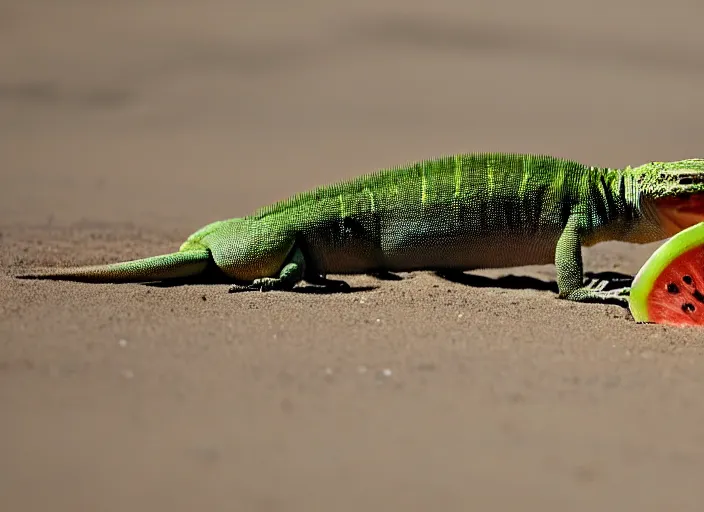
x: 570, y: 271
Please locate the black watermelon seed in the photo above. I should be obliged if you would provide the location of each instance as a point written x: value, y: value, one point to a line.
x: 687, y: 279
x: 672, y: 288
x: 687, y: 307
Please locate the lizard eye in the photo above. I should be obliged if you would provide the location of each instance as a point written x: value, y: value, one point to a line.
x: 686, y: 181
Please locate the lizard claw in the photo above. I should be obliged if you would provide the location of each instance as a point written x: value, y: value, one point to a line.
x: 597, y: 285
x: 590, y: 293
x: 235, y: 288
x: 264, y: 284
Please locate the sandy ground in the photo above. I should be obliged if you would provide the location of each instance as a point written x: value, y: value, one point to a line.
x: 126, y: 125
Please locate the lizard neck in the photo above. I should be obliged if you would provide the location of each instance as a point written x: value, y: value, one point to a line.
x: 641, y: 222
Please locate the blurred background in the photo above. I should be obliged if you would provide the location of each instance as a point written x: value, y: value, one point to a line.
x: 130, y: 124
x: 173, y: 113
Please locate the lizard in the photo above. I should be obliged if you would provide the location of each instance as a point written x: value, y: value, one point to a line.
x: 451, y: 213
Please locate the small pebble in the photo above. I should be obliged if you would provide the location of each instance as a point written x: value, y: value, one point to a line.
x: 328, y: 371
x: 460, y: 315
x: 122, y: 343
x: 378, y: 320
x: 386, y: 372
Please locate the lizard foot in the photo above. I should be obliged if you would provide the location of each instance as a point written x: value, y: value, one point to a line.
x: 595, y: 292
x: 264, y: 284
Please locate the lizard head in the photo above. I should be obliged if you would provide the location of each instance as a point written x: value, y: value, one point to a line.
x: 675, y: 190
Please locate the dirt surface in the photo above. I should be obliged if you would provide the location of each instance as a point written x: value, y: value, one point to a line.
x: 124, y: 126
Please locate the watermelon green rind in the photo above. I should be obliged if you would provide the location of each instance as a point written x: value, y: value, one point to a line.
x: 664, y: 255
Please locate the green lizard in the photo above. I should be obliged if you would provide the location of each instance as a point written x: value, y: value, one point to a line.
x: 454, y: 213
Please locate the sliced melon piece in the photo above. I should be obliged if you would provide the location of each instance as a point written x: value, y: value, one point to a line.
x: 669, y: 287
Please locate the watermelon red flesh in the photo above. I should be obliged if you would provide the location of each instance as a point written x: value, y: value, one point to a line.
x: 677, y: 296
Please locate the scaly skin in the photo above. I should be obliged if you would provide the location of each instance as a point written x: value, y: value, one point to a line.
x: 454, y: 213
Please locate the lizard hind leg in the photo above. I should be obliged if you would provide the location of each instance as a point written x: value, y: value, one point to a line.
x: 290, y: 275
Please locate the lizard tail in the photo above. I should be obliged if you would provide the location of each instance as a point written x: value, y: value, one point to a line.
x: 156, y: 268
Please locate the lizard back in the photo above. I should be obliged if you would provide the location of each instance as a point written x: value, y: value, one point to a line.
x: 464, y: 211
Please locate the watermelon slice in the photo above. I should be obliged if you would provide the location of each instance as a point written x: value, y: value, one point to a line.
x: 669, y: 288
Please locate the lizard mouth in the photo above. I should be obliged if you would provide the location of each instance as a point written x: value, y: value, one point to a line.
x: 678, y: 213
